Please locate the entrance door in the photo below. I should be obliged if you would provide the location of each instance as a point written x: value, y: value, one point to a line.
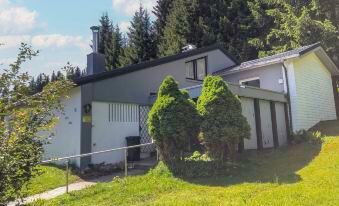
x: 112, y: 123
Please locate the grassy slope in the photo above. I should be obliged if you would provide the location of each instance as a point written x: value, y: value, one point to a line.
x: 49, y: 177
x: 303, y: 174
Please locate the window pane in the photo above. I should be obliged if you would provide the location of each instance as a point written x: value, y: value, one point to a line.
x: 190, y: 70
x: 201, y: 69
x: 252, y: 83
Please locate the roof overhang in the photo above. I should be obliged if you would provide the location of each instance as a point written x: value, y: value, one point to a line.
x: 317, y: 49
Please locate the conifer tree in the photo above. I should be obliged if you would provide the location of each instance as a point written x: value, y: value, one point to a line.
x: 161, y: 11
x: 290, y: 28
x: 140, y: 46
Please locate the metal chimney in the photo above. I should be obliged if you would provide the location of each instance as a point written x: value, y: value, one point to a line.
x: 95, y: 31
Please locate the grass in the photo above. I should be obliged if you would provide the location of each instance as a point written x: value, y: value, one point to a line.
x: 49, y: 177
x: 304, y: 174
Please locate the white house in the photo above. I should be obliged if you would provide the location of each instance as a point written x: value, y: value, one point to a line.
x: 106, y: 107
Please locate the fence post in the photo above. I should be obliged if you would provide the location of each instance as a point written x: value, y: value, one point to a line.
x: 67, y: 168
x: 126, y: 162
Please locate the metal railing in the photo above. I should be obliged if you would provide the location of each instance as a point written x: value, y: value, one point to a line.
x: 68, y: 158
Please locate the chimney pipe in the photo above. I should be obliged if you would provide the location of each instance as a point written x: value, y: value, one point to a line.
x: 95, y: 31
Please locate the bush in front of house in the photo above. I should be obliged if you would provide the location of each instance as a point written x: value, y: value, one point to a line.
x: 302, y: 136
x: 173, y: 121
x: 223, y: 125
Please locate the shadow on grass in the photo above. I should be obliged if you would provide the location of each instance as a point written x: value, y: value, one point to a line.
x: 268, y: 166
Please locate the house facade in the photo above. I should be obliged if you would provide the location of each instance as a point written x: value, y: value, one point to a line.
x: 106, y: 107
x: 304, y: 75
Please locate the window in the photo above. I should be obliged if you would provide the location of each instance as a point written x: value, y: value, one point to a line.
x: 252, y: 82
x: 196, y: 69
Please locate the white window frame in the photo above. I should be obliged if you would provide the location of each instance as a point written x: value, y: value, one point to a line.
x: 249, y: 79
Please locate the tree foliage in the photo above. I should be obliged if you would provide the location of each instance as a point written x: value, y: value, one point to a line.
x: 223, y: 125
x: 204, y: 22
x: 110, y: 42
x: 141, y: 40
x: 287, y: 25
x: 173, y: 120
x: 23, y: 120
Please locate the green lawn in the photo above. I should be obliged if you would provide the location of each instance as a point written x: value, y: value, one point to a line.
x: 49, y: 177
x: 304, y: 174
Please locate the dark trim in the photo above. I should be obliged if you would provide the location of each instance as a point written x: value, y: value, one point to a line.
x: 314, y: 46
x: 288, y: 129
x: 241, y: 146
x: 274, y: 124
x: 258, y: 124
x: 290, y: 122
x: 152, y: 63
x: 335, y: 79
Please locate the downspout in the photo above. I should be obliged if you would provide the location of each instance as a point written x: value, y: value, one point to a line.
x: 288, y: 99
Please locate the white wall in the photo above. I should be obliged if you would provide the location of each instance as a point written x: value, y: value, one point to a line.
x: 266, y: 124
x: 281, y: 123
x: 247, y: 105
x: 112, y: 123
x: 66, y: 138
x: 311, y: 92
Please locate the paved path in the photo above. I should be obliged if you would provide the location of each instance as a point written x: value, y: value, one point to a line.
x: 75, y: 187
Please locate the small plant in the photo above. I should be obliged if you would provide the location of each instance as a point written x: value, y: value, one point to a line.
x: 301, y: 136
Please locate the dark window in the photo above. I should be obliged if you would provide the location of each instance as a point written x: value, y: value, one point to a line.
x: 196, y: 69
x: 252, y: 83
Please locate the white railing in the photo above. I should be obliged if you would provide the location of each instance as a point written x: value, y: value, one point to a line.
x: 94, y: 153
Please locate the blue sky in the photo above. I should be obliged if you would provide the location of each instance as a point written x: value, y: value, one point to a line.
x: 58, y: 28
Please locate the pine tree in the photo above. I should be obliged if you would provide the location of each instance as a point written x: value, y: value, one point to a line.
x: 140, y: 46
x: 105, y: 32
x: 178, y: 29
x: 32, y: 86
x: 204, y: 22
x: 161, y: 11
x: 290, y: 28
x: 117, y: 44
x: 77, y: 73
x: 60, y: 76
x: 53, y: 77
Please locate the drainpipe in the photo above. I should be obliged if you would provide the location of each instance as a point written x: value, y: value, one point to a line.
x: 288, y: 98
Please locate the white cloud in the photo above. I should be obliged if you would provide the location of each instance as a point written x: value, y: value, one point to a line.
x: 16, y: 19
x: 58, y: 40
x: 13, y: 41
x: 124, y: 25
x: 45, y: 41
x: 129, y: 7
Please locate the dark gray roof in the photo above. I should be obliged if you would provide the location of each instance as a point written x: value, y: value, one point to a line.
x: 270, y: 59
x: 152, y: 63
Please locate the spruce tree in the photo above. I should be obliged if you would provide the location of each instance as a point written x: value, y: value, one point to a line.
x: 290, y: 28
x: 140, y: 46
x: 53, y: 77
x: 105, y: 32
x: 173, y: 121
x: 161, y: 11
x: 223, y: 125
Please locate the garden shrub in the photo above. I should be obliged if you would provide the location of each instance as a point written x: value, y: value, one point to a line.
x: 223, y: 125
x: 173, y: 121
x: 301, y: 136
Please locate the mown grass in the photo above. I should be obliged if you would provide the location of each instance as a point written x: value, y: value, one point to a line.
x: 304, y: 174
x: 48, y: 177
